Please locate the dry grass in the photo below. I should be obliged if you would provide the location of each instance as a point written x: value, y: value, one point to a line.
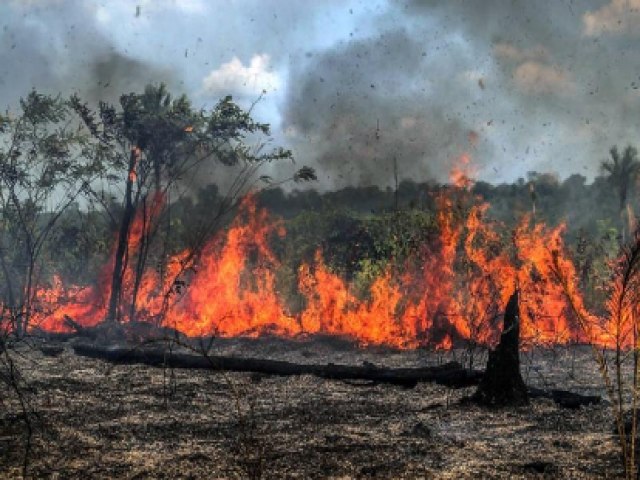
x: 116, y: 422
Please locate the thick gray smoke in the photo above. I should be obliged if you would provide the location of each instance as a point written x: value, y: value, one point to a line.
x: 546, y: 85
x: 359, y: 106
x: 57, y: 48
x: 520, y: 85
x: 112, y: 74
x: 568, y: 71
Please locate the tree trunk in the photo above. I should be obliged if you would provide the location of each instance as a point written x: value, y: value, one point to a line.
x: 123, y: 240
x: 28, y: 295
x: 142, y: 259
x: 502, y: 384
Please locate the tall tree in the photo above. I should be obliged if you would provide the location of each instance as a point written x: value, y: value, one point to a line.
x: 622, y: 170
x: 152, y: 142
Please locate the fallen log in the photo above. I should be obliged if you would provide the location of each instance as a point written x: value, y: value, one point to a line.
x: 450, y: 374
x: 51, y: 350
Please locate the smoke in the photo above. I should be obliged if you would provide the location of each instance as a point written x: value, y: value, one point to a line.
x: 355, y: 87
x: 566, y: 92
x: 111, y: 74
x: 360, y: 107
x: 58, y: 47
x: 520, y: 85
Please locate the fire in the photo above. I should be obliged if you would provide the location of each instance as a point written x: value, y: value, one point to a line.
x: 221, y: 299
x: 462, y: 172
x: 454, y: 293
x: 333, y: 309
x: 78, y: 303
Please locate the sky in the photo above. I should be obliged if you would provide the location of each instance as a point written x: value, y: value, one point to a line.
x: 354, y: 86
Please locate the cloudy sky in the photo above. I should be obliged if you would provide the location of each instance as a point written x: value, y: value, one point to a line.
x: 520, y: 85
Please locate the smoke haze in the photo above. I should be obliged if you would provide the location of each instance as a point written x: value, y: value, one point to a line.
x: 354, y: 87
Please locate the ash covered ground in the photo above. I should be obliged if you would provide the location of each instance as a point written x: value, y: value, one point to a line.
x: 97, y: 420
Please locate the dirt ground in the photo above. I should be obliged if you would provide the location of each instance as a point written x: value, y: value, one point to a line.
x: 102, y: 421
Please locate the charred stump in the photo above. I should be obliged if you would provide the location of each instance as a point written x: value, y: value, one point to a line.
x: 502, y: 384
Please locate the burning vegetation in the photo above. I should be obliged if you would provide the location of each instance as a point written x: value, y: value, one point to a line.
x: 448, y: 291
x: 176, y: 264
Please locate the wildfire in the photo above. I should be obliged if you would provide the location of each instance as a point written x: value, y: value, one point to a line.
x: 455, y: 294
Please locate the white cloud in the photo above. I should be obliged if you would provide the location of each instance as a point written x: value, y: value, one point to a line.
x: 102, y: 15
x: 538, y: 78
x: 234, y: 77
x: 618, y: 16
x: 187, y: 6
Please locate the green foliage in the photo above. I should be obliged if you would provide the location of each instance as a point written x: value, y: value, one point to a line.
x: 357, y: 247
x: 80, y: 246
x: 42, y: 171
x: 621, y: 170
x: 171, y: 133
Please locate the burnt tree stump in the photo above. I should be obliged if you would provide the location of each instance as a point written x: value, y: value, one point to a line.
x: 502, y: 384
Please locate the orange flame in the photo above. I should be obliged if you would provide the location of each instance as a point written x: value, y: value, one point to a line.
x: 455, y: 294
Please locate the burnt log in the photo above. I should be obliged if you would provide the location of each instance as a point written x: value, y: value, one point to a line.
x: 51, y: 350
x: 502, y: 384
x: 450, y: 374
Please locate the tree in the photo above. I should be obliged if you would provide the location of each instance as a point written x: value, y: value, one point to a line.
x: 152, y: 142
x: 621, y: 171
x: 43, y: 169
